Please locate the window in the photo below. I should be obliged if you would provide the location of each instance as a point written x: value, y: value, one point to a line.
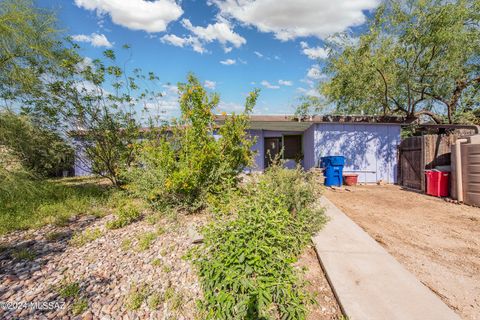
x: 292, y: 147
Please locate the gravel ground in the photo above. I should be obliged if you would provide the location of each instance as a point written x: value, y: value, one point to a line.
x: 437, y: 241
x: 107, y: 270
x: 112, y: 272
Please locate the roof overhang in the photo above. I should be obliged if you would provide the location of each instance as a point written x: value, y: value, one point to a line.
x: 294, y: 123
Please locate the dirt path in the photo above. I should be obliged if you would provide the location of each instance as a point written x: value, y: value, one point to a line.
x: 437, y: 241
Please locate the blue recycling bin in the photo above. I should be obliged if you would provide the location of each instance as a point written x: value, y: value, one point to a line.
x: 333, y: 170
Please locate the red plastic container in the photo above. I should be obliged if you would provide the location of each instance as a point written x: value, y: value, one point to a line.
x: 350, y: 179
x: 437, y: 183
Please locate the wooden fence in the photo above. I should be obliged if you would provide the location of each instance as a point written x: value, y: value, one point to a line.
x: 417, y: 154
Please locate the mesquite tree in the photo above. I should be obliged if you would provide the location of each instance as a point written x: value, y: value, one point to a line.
x: 419, y: 58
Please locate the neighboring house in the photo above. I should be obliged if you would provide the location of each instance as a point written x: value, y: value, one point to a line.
x: 368, y: 143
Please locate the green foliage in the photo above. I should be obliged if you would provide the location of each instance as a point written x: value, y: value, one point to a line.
x: 126, y: 215
x: 39, y: 150
x: 136, y: 297
x: 154, y: 300
x: 245, y: 263
x: 418, y: 59
x: 126, y: 244
x: 69, y: 290
x: 181, y: 167
x: 23, y: 254
x: 146, y: 240
x: 156, y: 262
x: 79, y: 306
x: 29, y: 46
x: 82, y: 238
x: 29, y: 203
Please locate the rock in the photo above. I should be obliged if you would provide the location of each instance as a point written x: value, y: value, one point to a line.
x: 88, y: 316
x: 195, y: 237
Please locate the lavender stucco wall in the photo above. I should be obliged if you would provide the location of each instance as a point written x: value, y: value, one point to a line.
x: 309, y: 147
x: 369, y: 150
x: 82, y: 165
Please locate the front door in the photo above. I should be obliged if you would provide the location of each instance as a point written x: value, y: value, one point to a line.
x: 272, y: 149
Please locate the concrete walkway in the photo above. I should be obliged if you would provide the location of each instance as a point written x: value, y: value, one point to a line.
x: 368, y: 282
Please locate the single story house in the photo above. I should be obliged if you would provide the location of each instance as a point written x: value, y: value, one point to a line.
x: 368, y: 143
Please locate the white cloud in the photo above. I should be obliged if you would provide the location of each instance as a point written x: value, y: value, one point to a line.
x: 314, y: 53
x: 210, y: 84
x: 258, y: 54
x: 95, y: 39
x: 228, y: 62
x: 150, y: 16
x: 220, y: 31
x: 285, y: 83
x: 230, y: 107
x: 174, y: 40
x: 185, y: 41
x: 170, y: 89
x: 289, y: 19
x: 315, y: 73
x: 268, y: 85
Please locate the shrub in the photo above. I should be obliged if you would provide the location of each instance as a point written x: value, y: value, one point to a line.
x: 245, y: 263
x: 180, y: 167
x: 125, y: 216
x: 43, y: 152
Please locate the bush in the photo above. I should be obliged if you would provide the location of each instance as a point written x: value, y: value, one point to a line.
x: 245, y: 263
x: 181, y: 166
x: 43, y: 152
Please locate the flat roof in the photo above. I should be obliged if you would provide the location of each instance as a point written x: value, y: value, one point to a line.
x: 295, y: 123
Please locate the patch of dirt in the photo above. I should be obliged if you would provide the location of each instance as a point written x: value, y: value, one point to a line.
x: 435, y: 240
x: 326, y: 306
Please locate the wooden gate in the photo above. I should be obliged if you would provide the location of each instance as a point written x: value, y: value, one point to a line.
x: 425, y: 152
x: 410, y: 163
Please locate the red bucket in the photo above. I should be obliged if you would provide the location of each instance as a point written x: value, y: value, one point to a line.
x: 350, y: 179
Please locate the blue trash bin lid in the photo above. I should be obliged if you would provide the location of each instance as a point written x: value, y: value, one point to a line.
x: 333, y: 161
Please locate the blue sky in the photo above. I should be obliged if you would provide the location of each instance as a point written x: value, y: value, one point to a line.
x: 233, y: 46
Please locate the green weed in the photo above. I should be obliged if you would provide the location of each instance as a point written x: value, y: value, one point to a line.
x: 154, y: 300
x: 125, y: 216
x: 126, y: 244
x: 82, y: 238
x: 24, y: 254
x: 79, y: 306
x: 146, y: 240
x: 137, y: 296
x: 69, y: 290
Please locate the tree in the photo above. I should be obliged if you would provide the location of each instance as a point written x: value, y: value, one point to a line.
x: 419, y: 58
x: 97, y: 102
x: 29, y: 47
x: 194, y: 156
